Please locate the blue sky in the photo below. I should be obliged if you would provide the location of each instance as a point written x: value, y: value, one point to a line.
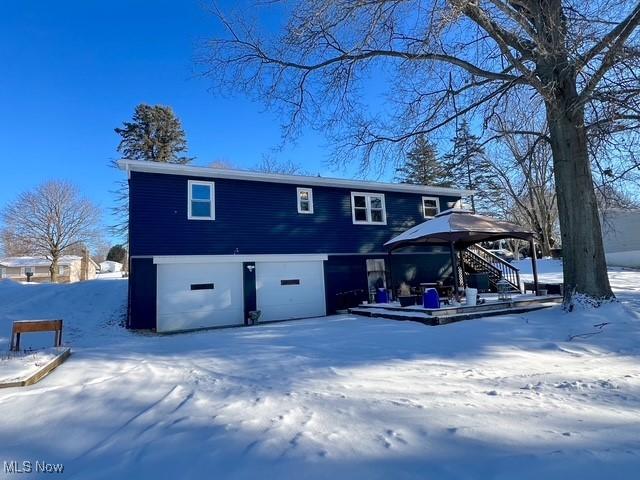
x: 72, y: 71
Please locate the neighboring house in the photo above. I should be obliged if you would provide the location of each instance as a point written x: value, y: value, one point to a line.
x: 71, y: 268
x: 621, y: 237
x: 210, y: 245
x: 109, y: 266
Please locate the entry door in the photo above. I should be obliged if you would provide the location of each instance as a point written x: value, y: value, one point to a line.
x: 199, y: 296
x: 287, y: 290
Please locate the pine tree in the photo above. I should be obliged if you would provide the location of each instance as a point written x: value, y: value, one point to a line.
x: 422, y: 166
x: 154, y: 134
x: 117, y: 253
x: 469, y: 168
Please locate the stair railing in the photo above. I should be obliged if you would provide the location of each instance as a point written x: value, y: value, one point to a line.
x: 482, y: 260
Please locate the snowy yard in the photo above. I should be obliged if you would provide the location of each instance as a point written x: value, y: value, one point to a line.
x: 15, y: 366
x: 342, y: 397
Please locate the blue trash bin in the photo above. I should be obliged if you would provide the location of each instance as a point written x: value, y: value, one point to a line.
x: 382, y: 296
x: 430, y: 299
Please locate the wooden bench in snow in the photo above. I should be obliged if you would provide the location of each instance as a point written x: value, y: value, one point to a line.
x: 25, y: 326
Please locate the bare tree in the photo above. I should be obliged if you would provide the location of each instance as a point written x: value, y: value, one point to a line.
x: 443, y: 58
x: 285, y: 167
x: 523, y: 166
x: 50, y: 220
x: 268, y: 164
x: 221, y: 163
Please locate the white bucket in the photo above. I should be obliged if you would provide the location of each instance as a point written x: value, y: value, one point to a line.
x: 472, y: 295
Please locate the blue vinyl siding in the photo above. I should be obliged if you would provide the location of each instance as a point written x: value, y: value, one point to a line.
x: 346, y: 275
x: 258, y: 218
x: 142, y: 294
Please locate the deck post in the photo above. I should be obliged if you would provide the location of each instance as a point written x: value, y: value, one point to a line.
x: 454, y: 269
x: 534, y: 263
x: 390, y: 286
x: 464, y: 274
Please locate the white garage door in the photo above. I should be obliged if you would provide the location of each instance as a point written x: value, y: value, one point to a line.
x: 199, y: 296
x: 287, y: 290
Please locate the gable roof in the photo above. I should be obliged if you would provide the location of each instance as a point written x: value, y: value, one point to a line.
x: 302, y: 180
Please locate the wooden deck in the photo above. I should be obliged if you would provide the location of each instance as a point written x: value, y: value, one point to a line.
x: 442, y: 316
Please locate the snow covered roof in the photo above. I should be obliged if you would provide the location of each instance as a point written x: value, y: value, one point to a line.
x: 110, y: 263
x: 211, y: 172
x: 37, y: 261
x: 461, y: 227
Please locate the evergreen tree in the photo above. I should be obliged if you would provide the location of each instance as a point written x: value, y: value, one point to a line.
x: 422, y: 166
x: 469, y: 168
x: 154, y: 134
x: 117, y: 253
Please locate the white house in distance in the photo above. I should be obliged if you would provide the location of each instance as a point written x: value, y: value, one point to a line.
x: 109, y: 266
x: 621, y: 237
x: 71, y: 268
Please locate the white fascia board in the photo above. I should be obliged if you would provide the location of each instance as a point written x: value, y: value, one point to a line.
x: 301, y: 180
x: 174, y: 259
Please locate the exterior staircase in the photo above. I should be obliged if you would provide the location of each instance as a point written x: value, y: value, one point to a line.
x: 476, y: 259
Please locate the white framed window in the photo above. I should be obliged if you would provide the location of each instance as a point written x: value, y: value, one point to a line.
x: 201, y: 200
x: 430, y: 207
x: 305, y: 200
x: 26, y: 270
x: 368, y: 208
x: 60, y: 269
x: 3, y: 272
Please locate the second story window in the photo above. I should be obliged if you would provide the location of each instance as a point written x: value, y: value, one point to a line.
x: 201, y: 200
x: 430, y: 207
x: 305, y: 200
x: 368, y: 208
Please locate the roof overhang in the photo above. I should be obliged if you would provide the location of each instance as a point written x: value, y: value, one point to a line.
x: 303, y: 180
x: 206, y: 259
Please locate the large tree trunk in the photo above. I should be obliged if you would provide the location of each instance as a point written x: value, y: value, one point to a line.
x: 585, y: 270
x: 53, y: 269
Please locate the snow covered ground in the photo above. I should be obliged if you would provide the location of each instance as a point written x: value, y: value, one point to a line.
x: 18, y: 366
x: 542, y: 395
x: 624, y: 281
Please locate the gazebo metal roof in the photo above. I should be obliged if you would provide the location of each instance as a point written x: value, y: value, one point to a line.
x: 460, y: 227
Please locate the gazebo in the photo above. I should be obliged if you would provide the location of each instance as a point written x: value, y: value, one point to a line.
x: 460, y: 229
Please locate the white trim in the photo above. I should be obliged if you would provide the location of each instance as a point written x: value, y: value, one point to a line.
x: 3, y: 272
x: 212, y: 196
x: 299, y: 190
x: 437, y: 200
x: 367, y: 196
x: 210, y: 172
x: 303, y: 257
